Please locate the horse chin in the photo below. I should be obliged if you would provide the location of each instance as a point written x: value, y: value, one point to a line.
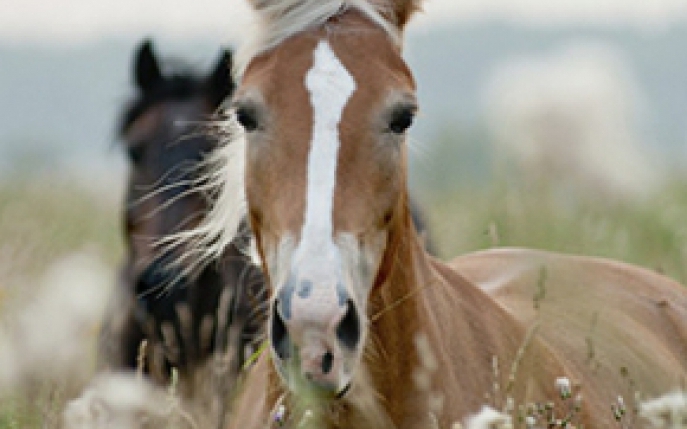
x: 297, y: 382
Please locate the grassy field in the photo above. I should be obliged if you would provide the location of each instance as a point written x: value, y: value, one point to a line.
x: 57, y: 239
x: 650, y: 232
x: 43, y: 224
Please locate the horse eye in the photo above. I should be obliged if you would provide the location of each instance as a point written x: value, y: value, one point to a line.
x: 401, y: 120
x: 135, y: 153
x: 247, y: 118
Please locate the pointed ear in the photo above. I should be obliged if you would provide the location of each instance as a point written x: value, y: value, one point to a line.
x: 146, y: 68
x: 220, y: 82
x: 405, y: 9
x: 399, y: 11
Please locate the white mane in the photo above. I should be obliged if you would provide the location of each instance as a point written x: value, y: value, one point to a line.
x: 279, y: 20
x: 223, y: 180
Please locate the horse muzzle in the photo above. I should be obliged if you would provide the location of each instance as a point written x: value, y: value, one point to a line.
x: 315, y: 333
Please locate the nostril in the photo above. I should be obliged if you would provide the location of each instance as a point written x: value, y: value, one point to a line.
x: 327, y: 362
x: 279, y: 335
x: 348, y: 331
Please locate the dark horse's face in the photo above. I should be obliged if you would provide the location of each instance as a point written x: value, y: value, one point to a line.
x: 166, y: 140
x: 166, y: 136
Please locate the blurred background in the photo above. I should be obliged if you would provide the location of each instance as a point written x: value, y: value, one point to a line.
x: 545, y: 123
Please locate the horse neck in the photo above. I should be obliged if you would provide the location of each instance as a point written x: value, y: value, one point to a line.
x: 409, y: 339
x: 392, y: 316
x: 426, y: 322
x: 395, y: 318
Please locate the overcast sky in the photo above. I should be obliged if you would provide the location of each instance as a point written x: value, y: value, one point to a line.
x: 77, y: 21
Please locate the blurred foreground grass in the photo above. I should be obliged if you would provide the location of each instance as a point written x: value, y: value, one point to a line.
x: 44, y: 221
x: 41, y: 219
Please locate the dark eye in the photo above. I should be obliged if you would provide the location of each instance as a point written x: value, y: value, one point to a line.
x: 135, y: 153
x: 401, y: 120
x: 248, y: 118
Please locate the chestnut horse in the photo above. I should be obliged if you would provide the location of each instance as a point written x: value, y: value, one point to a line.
x: 184, y: 316
x: 366, y: 329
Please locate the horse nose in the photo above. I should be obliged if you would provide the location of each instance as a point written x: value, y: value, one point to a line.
x: 315, y: 353
x: 319, y: 364
x: 343, y: 322
x: 315, y: 330
x: 348, y: 329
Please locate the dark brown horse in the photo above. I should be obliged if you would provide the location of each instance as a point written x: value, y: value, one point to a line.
x: 185, y: 315
x: 366, y: 329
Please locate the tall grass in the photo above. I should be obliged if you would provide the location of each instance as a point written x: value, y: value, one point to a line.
x: 43, y: 222
x: 41, y: 219
x: 651, y: 232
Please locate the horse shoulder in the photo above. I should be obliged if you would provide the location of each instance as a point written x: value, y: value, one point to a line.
x: 473, y: 333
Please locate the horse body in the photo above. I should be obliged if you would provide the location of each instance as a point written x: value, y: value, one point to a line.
x: 433, y: 339
x: 593, y: 313
x: 615, y: 329
x: 366, y: 329
x: 183, y: 314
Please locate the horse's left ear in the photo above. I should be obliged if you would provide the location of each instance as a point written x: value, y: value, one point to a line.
x: 220, y: 81
x: 147, y: 71
x: 400, y: 10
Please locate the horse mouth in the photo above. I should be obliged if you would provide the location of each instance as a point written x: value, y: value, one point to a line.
x: 307, y: 383
x: 342, y: 393
x: 328, y: 391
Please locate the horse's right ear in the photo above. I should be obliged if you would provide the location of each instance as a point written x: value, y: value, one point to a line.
x: 221, y: 84
x: 398, y: 12
x: 146, y: 68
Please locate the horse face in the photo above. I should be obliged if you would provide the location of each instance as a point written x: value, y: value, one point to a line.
x: 164, y: 162
x: 166, y: 143
x: 325, y: 115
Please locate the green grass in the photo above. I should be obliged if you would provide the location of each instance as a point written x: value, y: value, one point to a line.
x: 651, y: 233
x: 40, y: 222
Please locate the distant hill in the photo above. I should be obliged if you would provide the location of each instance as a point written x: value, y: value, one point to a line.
x: 61, y: 105
x: 451, y: 65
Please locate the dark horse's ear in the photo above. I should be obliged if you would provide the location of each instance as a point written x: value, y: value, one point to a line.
x: 146, y: 68
x: 221, y: 84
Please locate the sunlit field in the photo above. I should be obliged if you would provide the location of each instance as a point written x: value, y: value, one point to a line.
x: 60, y: 245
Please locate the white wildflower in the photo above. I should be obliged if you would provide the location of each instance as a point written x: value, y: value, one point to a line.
x: 280, y: 414
x: 666, y: 412
x: 115, y: 401
x: 54, y: 331
x: 563, y: 386
x: 489, y: 418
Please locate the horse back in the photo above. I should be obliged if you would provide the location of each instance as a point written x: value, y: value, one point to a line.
x: 620, y: 329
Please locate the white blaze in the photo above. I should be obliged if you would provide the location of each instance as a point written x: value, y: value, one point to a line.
x: 330, y: 86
